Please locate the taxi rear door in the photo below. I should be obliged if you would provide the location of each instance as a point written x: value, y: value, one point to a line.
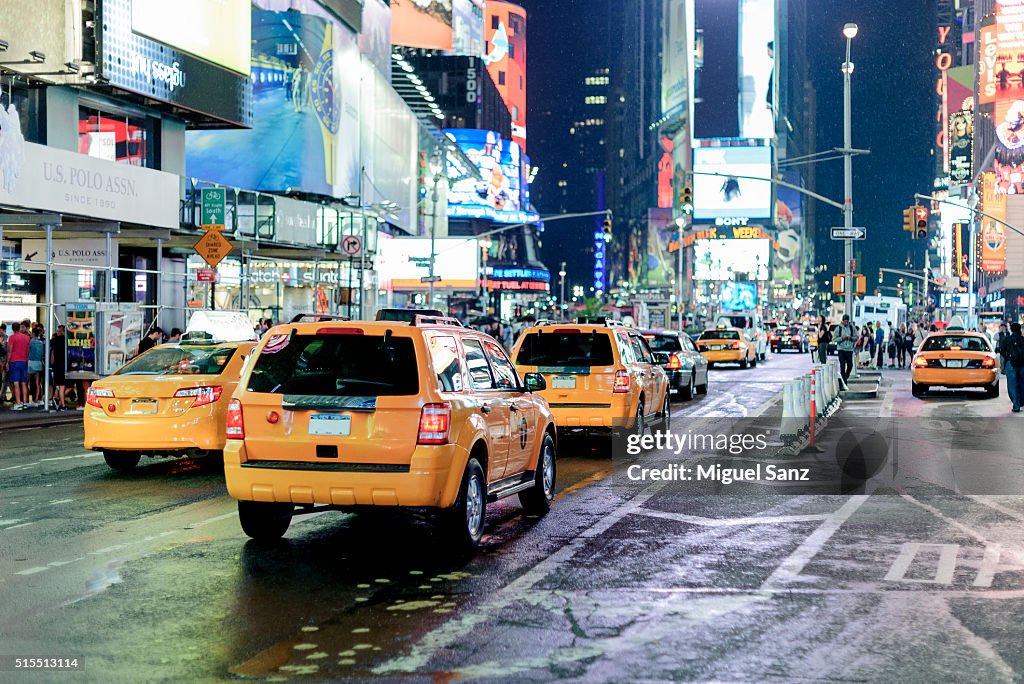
x: 649, y: 374
x: 494, y: 402
x: 524, y: 412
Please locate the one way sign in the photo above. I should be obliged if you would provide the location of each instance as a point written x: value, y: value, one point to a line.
x: 858, y: 233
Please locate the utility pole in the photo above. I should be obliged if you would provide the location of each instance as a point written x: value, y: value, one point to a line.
x: 850, y: 31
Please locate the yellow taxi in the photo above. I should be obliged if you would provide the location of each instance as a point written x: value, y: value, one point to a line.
x: 599, y: 376
x: 955, y: 358
x: 172, y: 400
x: 353, y: 415
x: 727, y: 345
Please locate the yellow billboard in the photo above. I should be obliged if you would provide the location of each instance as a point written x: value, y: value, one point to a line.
x: 219, y: 31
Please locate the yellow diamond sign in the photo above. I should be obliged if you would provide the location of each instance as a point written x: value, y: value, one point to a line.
x: 213, y: 247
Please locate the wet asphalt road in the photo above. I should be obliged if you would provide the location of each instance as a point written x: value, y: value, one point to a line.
x: 149, y: 578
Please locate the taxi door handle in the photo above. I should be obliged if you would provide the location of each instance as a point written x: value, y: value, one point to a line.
x: 486, y: 408
x: 513, y: 407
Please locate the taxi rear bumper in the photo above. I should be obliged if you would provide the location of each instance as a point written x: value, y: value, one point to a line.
x: 725, y: 356
x: 617, y: 413
x: 195, y: 429
x: 429, y: 480
x: 956, y: 377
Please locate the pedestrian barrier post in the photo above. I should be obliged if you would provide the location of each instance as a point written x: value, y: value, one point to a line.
x: 790, y: 432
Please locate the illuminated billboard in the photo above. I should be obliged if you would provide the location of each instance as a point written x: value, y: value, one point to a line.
x: 735, y: 296
x: 403, y: 263
x: 993, y: 232
x: 1009, y: 61
x: 675, y: 64
x: 661, y: 263
x: 200, y: 68
x: 728, y: 259
x: 961, y: 146
x: 422, y: 24
x: 732, y: 193
x: 468, y: 28
x: 223, y: 28
x: 500, y: 194
x: 505, y: 57
x: 757, y: 68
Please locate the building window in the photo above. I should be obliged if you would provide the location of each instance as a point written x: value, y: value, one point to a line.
x: 515, y: 113
x: 494, y: 22
x: 511, y: 51
x: 119, y: 138
x: 501, y: 78
x: 25, y: 102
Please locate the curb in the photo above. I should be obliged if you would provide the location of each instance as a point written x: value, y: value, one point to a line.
x: 9, y: 422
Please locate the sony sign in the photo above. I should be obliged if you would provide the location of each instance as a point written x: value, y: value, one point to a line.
x: 735, y: 221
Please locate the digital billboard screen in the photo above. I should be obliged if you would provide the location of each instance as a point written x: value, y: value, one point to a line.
x: 961, y: 146
x: 727, y: 195
x: 726, y: 259
x: 403, y: 263
x: 468, y: 28
x: 675, y: 66
x: 500, y: 193
x: 214, y: 30
x: 422, y: 24
x: 735, y: 296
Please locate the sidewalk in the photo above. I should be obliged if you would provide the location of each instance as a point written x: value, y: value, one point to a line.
x: 36, y: 418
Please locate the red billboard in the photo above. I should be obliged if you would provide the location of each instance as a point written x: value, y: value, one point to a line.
x: 505, y: 56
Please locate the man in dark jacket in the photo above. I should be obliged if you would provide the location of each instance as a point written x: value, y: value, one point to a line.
x: 1014, y: 352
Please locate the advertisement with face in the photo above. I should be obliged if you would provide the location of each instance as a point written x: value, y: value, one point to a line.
x: 724, y: 259
x: 961, y: 146
x: 422, y: 24
x: 661, y: 264
x: 757, y: 68
x: 81, y: 340
x: 727, y: 195
x: 500, y: 192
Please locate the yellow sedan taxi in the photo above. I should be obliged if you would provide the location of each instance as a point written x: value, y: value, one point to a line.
x: 599, y: 376
x: 361, y: 415
x: 955, y: 358
x: 727, y: 345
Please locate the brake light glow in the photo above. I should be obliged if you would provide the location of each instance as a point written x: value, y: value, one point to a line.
x: 921, y: 362
x: 339, y: 331
x: 621, y: 383
x: 235, y: 426
x: 93, y: 396
x: 435, y: 424
x: 955, y: 347
x: 988, y: 362
x: 735, y: 345
x: 674, y: 362
x: 202, y: 395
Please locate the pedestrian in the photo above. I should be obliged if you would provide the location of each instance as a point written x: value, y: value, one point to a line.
x: 175, y: 335
x: 919, y: 336
x: 36, y: 352
x: 155, y: 336
x: 1014, y: 349
x: 507, y: 337
x: 3, y: 361
x: 879, y: 346
x: 58, y: 362
x: 892, y: 343
x: 17, y: 352
x: 1000, y: 345
x: 824, y: 338
x: 904, y: 345
x: 846, y: 337
x: 863, y: 346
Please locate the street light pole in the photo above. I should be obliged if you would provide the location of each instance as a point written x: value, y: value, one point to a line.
x: 438, y: 165
x: 850, y: 31
x: 680, y: 224
x: 561, y: 285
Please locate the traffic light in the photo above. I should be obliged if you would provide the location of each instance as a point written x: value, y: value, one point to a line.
x: 686, y: 198
x: 908, y: 220
x: 920, y: 223
x: 608, y: 228
x: 881, y: 277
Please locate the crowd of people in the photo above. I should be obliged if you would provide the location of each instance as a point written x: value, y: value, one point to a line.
x: 22, y: 353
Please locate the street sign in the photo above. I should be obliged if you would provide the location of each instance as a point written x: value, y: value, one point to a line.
x: 430, y: 279
x: 213, y: 203
x: 352, y: 245
x: 857, y: 233
x: 206, y: 275
x: 213, y: 247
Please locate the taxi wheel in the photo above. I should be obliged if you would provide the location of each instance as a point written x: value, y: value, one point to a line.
x: 690, y: 389
x: 665, y: 417
x: 638, y: 420
x: 703, y: 389
x: 265, y: 521
x: 993, y: 391
x: 121, y: 462
x: 465, y: 522
x: 744, y: 364
x: 753, y: 361
x: 918, y: 390
x: 537, y: 499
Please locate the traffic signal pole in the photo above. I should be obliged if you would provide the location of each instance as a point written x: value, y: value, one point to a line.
x: 848, y: 178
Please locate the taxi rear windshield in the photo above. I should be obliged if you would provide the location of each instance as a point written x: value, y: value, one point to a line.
x: 719, y: 335
x: 664, y: 343
x: 566, y: 349
x: 179, y: 361
x: 947, y: 342
x: 344, y: 365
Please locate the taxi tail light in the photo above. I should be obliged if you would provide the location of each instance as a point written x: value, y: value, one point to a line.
x: 435, y: 424
x: 202, y: 395
x: 921, y: 362
x: 235, y: 426
x: 735, y: 345
x: 674, y: 362
x: 95, y: 394
x: 621, y: 383
x: 988, y: 362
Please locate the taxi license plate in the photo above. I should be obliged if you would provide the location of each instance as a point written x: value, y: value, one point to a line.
x: 563, y: 382
x: 330, y: 424
x: 954, y: 363
x: 715, y: 347
x: 143, y: 407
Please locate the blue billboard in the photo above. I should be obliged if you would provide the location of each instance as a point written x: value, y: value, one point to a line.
x: 500, y: 194
x: 736, y: 296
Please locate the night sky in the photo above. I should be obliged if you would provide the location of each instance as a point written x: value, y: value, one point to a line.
x: 893, y: 115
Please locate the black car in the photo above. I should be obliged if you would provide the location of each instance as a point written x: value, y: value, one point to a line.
x: 792, y: 338
x: 686, y: 367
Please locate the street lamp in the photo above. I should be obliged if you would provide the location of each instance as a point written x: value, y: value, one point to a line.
x: 850, y: 31
x: 561, y: 296
x: 680, y: 224
x: 437, y: 167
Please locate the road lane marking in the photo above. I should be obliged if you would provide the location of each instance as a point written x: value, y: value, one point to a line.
x: 791, y: 568
x: 66, y: 458
x: 14, y: 527
x: 908, y: 553
x: 33, y: 571
x: 725, y: 522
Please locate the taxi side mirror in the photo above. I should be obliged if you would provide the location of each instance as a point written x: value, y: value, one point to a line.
x: 535, y: 382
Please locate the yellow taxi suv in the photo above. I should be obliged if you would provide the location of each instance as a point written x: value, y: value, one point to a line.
x: 362, y: 415
x: 727, y: 345
x: 958, y: 359
x: 170, y: 401
x: 599, y: 377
